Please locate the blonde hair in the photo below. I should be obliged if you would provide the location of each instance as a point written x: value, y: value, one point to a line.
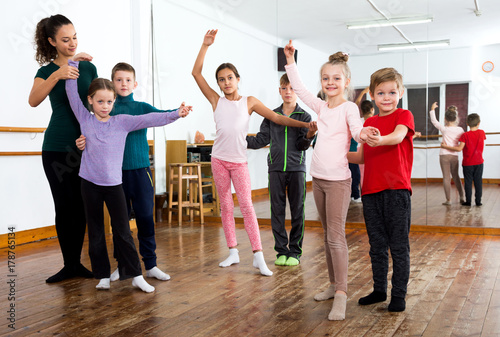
x: 340, y: 59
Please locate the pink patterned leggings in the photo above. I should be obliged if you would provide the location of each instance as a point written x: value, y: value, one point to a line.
x: 224, y: 173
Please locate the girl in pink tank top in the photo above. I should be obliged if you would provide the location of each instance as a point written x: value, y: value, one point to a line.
x: 229, y: 162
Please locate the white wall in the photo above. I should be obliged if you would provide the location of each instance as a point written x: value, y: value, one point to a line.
x: 118, y: 30
x: 251, y: 51
x: 436, y: 67
x: 25, y: 198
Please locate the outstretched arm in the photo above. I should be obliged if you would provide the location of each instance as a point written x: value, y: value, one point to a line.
x: 255, y: 105
x: 75, y: 101
x: 210, y: 94
x: 432, y: 115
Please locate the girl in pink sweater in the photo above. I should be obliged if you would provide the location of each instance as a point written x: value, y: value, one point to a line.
x: 338, y: 121
x: 229, y: 160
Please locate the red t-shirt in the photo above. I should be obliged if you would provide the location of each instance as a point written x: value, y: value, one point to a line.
x: 389, y: 167
x: 474, y: 146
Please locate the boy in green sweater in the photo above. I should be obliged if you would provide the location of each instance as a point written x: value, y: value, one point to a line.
x: 137, y: 177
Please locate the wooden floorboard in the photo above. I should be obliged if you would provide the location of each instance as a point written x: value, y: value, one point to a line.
x: 454, y: 290
x: 428, y: 213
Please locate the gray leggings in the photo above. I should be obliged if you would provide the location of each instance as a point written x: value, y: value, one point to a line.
x: 332, y: 201
x: 449, y: 167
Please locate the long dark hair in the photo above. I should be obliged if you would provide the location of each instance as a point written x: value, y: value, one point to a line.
x: 48, y: 27
x: 229, y: 66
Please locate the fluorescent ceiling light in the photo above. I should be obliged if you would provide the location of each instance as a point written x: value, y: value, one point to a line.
x: 421, y: 44
x: 390, y: 22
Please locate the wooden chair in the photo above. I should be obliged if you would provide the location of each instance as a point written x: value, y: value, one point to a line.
x: 191, y: 173
x: 208, y: 181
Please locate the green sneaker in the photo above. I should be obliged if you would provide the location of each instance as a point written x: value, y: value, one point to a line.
x: 292, y: 262
x: 281, y: 260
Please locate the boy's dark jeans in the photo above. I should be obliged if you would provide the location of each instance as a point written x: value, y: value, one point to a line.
x: 473, y: 173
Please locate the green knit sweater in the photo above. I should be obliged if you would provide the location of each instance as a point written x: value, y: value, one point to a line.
x: 136, y: 153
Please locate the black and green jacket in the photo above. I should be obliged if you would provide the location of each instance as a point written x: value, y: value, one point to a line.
x: 287, y: 145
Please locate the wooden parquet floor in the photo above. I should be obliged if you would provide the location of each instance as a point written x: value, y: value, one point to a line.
x: 454, y: 290
x: 427, y: 210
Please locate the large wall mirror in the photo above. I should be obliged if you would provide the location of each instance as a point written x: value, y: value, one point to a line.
x: 250, y: 33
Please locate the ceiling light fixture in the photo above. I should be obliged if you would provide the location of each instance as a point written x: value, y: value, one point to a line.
x: 398, y: 21
x: 421, y: 44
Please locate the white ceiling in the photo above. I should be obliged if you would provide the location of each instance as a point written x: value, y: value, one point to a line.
x: 322, y: 23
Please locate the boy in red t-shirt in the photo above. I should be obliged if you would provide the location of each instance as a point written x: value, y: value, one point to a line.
x: 472, y: 144
x: 386, y: 192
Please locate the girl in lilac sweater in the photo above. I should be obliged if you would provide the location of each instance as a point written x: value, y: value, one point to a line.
x: 101, y: 173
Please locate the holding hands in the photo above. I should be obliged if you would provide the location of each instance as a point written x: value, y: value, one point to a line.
x: 369, y: 132
x: 313, y: 128
x: 184, y: 110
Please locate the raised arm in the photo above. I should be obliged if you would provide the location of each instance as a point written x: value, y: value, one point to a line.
x: 360, y: 96
x: 42, y: 87
x: 255, y: 105
x: 75, y: 102
x: 210, y: 94
x: 432, y: 115
x: 310, y: 99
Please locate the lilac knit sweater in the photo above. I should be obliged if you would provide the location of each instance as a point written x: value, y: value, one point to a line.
x: 105, y: 141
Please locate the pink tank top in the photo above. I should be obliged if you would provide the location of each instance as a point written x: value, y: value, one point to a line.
x: 231, y: 123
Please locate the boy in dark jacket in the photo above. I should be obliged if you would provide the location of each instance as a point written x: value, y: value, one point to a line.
x: 287, y: 172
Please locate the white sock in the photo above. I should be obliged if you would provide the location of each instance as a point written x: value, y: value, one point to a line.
x: 157, y: 273
x: 260, y: 263
x: 231, y: 259
x: 115, y: 276
x: 103, y: 284
x: 140, y: 282
x: 326, y: 294
x: 338, y: 308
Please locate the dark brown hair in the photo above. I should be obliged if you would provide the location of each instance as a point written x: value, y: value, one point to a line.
x: 366, y: 107
x: 229, y: 66
x: 101, y: 84
x: 48, y: 27
x: 122, y: 66
x: 451, y: 114
x: 473, y: 120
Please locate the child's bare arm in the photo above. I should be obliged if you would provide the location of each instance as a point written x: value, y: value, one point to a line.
x: 393, y: 138
x: 356, y: 157
x: 458, y: 148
